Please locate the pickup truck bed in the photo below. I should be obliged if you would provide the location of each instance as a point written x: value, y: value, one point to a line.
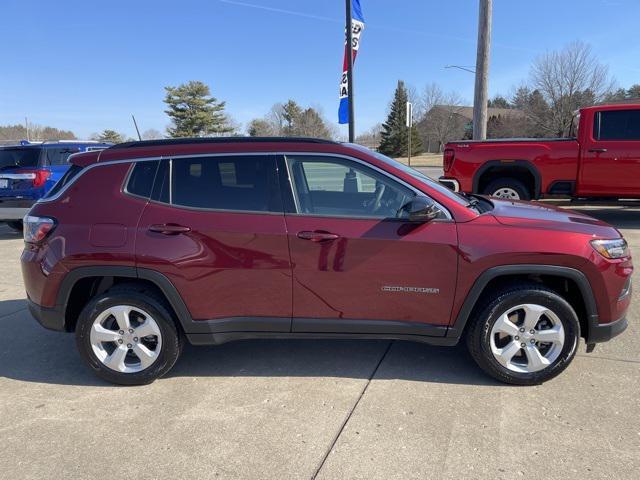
x: 602, y: 161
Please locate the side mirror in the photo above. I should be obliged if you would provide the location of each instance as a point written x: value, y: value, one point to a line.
x: 421, y: 210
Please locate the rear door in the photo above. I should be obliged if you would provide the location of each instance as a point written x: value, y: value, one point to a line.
x: 215, y: 228
x: 611, y: 155
x: 359, y: 267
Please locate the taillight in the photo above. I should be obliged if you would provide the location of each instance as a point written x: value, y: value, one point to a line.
x: 36, y: 229
x: 38, y: 177
x: 448, y: 158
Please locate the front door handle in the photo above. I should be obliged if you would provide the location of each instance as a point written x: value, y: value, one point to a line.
x: 169, y: 229
x: 317, y: 236
x: 597, y: 150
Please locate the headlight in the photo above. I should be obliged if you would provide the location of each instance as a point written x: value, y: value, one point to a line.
x: 617, y: 248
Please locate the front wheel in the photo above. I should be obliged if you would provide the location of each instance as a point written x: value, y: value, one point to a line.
x: 524, y: 335
x: 128, y: 337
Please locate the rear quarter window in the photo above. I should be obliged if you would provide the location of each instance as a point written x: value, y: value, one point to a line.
x: 141, y: 178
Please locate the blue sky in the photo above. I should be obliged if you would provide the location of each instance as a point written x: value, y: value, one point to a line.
x: 86, y: 66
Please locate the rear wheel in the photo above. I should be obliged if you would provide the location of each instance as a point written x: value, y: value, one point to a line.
x: 15, y: 225
x: 524, y: 335
x: 508, y: 188
x: 128, y: 337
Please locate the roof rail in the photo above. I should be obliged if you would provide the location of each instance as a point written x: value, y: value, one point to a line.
x: 216, y: 140
x: 73, y: 141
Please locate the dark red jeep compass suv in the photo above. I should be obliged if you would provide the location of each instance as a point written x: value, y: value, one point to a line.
x: 148, y: 244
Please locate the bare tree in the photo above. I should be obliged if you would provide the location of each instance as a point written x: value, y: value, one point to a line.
x: 442, y: 119
x: 568, y: 80
x: 290, y: 119
x: 371, y: 138
x: 151, y: 134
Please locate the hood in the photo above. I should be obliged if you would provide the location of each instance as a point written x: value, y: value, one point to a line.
x: 538, y: 215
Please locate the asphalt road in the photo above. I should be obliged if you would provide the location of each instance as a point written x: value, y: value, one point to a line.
x: 313, y: 409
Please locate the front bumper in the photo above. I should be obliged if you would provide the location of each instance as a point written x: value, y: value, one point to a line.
x: 49, y: 318
x: 606, y: 331
x: 14, y: 209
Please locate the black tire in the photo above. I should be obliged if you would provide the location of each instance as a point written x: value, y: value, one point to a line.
x: 499, y: 302
x: 133, y: 295
x: 15, y: 225
x: 509, y: 183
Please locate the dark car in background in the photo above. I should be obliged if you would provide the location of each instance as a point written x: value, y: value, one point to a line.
x: 29, y: 170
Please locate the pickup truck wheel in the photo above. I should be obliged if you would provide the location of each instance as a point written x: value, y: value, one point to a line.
x: 508, y: 188
x: 15, y: 225
x: 128, y: 337
x: 524, y: 335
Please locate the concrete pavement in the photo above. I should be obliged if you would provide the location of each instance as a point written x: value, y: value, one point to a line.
x: 313, y: 409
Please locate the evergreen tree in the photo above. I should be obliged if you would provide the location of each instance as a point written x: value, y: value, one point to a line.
x: 394, y: 134
x: 499, y: 102
x: 194, y: 112
x: 291, y: 113
x: 110, y: 136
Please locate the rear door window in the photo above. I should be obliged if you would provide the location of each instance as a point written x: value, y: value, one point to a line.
x: 59, y: 155
x: 236, y: 183
x: 617, y: 125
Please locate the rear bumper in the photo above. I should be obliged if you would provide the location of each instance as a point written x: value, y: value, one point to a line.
x: 606, y: 331
x: 450, y: 183
x: 14, y: 209
x: 49, y: 318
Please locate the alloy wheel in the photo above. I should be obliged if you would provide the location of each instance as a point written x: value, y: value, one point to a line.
x: 125, y: 339
x: 527, y: 338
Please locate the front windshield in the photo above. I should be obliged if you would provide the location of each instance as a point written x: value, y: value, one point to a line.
x: 19, y: 157
x: 414, y: 173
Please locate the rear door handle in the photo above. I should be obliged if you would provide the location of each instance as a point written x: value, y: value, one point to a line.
x: 317, y: 236
x: 169, y: 229
x: 597, y: 150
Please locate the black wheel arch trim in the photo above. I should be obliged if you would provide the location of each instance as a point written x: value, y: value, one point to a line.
x: 537, y: 179
x: 157, y: 278
x: 253, y: 327
x: 245, y: 327
x: 457, y: 329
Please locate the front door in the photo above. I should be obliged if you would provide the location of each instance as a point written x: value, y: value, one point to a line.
x: 611, y: 157
x: 357, y: 265
x: 215, y: 228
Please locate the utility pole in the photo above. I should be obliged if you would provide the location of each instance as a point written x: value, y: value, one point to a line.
x: 349, y: 53
x: 481, y: 94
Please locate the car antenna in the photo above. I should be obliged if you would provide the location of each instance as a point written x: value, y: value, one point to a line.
x: 135, y: 124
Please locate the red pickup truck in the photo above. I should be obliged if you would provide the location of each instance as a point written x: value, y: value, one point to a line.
x: 601, y: 160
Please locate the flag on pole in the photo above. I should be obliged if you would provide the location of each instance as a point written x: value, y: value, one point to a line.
x: 357, y: 25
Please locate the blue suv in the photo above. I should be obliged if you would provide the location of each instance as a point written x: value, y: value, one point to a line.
x: 30, y: 169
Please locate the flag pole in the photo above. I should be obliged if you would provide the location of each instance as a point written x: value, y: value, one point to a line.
x: 350, y: 71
